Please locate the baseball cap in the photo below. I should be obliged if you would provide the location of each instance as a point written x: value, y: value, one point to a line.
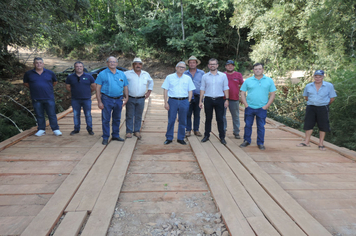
x: 319, y: 72
x: 230, y: 62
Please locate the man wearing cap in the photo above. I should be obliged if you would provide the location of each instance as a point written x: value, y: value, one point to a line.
x: 81, y: 85
x: 214, y: 86
x: 319, y: 95
x: 177, y: 91
x: 41, y: 82
x: 235, y: 82
x: 258, y: 87
x: 196, y: 75
x: 140, y: 87
x: 112, y: 94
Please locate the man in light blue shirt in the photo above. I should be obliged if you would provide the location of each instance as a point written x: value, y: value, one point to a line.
x: 178, y: 90
x: 214, y: 86
x: 319, y: 95
x: 194, y: 108
x: 140, y: 87
x: 112, y: 95
x: 258, y: 88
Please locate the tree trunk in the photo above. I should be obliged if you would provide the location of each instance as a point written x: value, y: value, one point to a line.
x: 181, y: 9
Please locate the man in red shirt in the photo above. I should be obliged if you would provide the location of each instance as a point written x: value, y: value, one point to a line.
x: 235, y: 82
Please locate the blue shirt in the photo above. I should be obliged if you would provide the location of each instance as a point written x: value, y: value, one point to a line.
x: 80, y: 86
x: 41, y: 85
x: 196, y: 80
x: 112, y: 84
x: 178, y: 87
x: 321, y: 97
x: 258, y: 91
x: 214, y: 85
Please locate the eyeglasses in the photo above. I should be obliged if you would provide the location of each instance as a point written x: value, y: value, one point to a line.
x: 181, y: 67
x: 213, y: 64
x: 112, y: 62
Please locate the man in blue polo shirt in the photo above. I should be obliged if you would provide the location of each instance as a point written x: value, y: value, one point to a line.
x: 112, y: 93
x: 177, y: 91
x: 81, y: 85
x: 41, y: 82
x: 258, y: 87
x: 319, y: 95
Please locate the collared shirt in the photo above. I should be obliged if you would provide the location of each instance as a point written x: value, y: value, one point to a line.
x: 321, y: 97
x: 41, y: 85
x: 196, y: 79
x: 80, y: 86
x: 178, y: 87
x: 112, y: 84
x: 258, y: 91
x: 235, y: 82
x: 214, y: 85
x: 138, y: 85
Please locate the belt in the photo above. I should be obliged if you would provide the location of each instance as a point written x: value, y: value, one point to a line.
x: 196, y: 95
x: 178, y: 98
x: 112, y: 97
x: 214, y: 98
x: 136, y: 97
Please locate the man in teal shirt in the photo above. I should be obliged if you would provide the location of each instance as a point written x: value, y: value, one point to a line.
x: 258, y: 88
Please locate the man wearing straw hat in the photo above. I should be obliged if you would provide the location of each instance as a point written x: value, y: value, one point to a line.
x: 140, y: 87
x: 196, y: 75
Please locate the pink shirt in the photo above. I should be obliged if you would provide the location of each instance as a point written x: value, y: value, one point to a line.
x: 235, y: 82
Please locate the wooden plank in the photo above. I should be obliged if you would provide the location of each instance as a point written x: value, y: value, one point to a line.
x: 44, y: 222
x: 164, y: 167
x: 276, y: 216
x: 32, y: 179
x: 14, y: 225
x: 71, y: 224
x: 20, y: 210
x: 101, y: 215
x: 88, y: 192
x: 233, y: 217
x: 322, y: 194
x: 261, y: 226
x: 33, y: 167
x: 36, y: 199
x: 295, y: 211
x: 29, y: 189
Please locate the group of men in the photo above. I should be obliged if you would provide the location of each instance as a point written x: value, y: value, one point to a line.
x: 186, y: 92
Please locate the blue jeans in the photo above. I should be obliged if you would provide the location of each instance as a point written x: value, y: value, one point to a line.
x: 181, y: 107
x: 77, y: 104
x: 112, y: 107
x: 261, y: 115
x: 48, y: 105
x: 194, y: 109
x: 134, y: 110
x: 235, y: 112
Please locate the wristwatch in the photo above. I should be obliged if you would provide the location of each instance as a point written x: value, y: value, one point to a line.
x: 227, y: 99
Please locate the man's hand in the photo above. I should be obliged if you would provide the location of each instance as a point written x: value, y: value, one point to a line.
x: 226, y: 104
x: 265, y: 107
x: 124, y: 101
x: 166, y: 105
x: 201, y: 105
x: 100, y: 105
x: 147, y: 94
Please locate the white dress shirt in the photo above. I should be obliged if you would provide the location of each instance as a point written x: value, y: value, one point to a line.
x: 214, y: 85
x: 138, y: 85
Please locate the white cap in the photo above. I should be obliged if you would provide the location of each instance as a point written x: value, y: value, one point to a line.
x: 137, y: 59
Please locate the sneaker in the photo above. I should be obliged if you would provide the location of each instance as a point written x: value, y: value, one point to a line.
x: 187, y: 133
x: 74, y: 132
x: 57, y: 132
x: 237, y: 136
x: 40, y: 133
x: 105, y: 142
x: 244, y: 144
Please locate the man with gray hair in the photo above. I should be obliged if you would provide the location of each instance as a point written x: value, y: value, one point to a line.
x: 178, y: 90
x: 140, y: 87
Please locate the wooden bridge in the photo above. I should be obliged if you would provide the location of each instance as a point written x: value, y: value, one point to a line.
x: 70, y: 185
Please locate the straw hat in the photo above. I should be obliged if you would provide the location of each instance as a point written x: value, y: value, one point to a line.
x: 191, y: 59
x: 138, y: 60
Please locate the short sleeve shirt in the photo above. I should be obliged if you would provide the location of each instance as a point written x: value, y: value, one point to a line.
x: 178, y: 87
x: 235, y: 82
x: 112, y: 84
x: 41, y: 85
x: 80, y: 86
x: 138, y: 85
x: 196, y: 79
x: 258, y: 91
x: 321, y: 97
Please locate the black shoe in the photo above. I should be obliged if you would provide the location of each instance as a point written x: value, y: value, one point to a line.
x: 118, y: 139
x: 105, y: 142
x: 223, y: 141
x: 244, y: 144
x: 167, y: 142
x: 91, y: 132
x: 181, y: 142
x: 261, y: 147
x: 206, y: 138
x: 74, y: 132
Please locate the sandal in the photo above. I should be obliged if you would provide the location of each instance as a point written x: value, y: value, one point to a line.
x: 322, y: 148
x: 303, y: 145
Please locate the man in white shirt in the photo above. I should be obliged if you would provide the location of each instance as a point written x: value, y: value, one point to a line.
x: 140, y: 87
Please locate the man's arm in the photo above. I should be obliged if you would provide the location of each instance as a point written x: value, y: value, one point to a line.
x: 165, y: 96
x: 98, y: 96
x: 190, y: 95
x: 126, y: 95
x: 148, y: 93
x: 202, y: 92
x: 331, y: 100
x: 93, y: 86
x: 26, y: 85
x: 306, y: 98
x: 54, y: 83
x: 68, y: 87
x: 227, y: 94
x: 270, y: 100
x: 243, y: 98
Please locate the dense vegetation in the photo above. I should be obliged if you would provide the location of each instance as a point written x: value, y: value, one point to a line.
x: 284, y: 34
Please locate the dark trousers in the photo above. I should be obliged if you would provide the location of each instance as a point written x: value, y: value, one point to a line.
x: 193, y: 109
x: 211, y: 104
